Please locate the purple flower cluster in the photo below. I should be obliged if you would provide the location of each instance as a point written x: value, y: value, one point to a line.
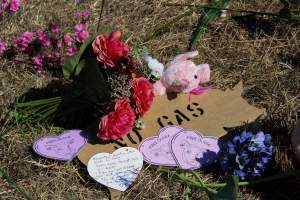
x: 9, y: 6
x: 247, y: 155
x: 49, y: 47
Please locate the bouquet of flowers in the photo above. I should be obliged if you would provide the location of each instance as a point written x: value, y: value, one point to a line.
x: 106, y: 83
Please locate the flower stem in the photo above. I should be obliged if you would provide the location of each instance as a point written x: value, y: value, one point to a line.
x: 228, y: 9
x: 100, y: 15
x: 263, y: 180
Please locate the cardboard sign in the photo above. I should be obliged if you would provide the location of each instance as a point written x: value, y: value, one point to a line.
x: 208, y: 113
x: 192, y: 150
x: 60, y: 147
x: 117, y: 170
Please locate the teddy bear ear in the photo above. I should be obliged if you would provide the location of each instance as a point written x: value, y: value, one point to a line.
x: 185, y: 56
x: 203, y: 73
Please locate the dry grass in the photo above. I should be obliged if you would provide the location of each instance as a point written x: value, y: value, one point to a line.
x: 262, y: 52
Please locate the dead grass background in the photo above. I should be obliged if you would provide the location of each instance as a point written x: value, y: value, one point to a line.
x: 262, y: 52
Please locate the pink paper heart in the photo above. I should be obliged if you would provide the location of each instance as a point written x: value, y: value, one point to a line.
x: 61, y: 147
x: 192, y: 150
x: 156, y: 150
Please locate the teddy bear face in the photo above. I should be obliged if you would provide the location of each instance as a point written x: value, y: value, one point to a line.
x: 183, y: 76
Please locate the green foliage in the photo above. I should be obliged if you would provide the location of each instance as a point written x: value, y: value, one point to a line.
x: 71, y: 66
x: 36, y: 110
x: 228, y: 192
x: 90, y: 84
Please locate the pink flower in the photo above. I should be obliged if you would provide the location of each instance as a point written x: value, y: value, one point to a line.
x: 52, y: 57
x: 14, y: 5
x: 72, y: 50
x: 81, y: 36
x: 23, y: 41
x: 79, y: 27
x: 68, y: 40
x: 38, y: 60
x: 109, y: 49
x: 59, y: 44
x: 53, y: 27
x: 117, y: 123
x: 44, y: 38
x: 142, y: 94
x: 3, y: 46
x: 81, y: 33
x: 4, y: 6
x: 83, y: 14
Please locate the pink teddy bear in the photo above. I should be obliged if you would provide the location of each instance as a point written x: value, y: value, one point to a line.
x: 182, y: 75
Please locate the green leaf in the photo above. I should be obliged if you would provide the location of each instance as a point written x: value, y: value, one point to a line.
x: 210, y: 16
x: 90, y: 84
x: 72, y: 62
x: 228, y: 192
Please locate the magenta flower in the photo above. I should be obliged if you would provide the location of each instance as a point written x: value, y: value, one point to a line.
x: 83, y: 14
x: 81, y: 36
x: 68, y: 40
x: 14, y: 6
x: 23, y: 41
x: 4, y: 6
x: 79, y: 27
x: 59, y: 44
x: 71, y: 51
x: 38, y: 60
x: 53, y: 27
x: 81, y: 33
x: 3, y: 46
x: 43, y: 38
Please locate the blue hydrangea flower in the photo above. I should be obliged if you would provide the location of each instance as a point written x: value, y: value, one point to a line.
x: 247, y: 155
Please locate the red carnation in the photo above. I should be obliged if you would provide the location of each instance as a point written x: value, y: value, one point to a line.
x: 109, y: 49
x: 117, y: 123
x: 142, y: 94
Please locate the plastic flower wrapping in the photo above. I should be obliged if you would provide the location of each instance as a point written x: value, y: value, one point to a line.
x: 247, y: 155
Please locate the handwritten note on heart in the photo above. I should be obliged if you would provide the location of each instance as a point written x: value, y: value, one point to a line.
x: 61, y: 147
x: 117, y: 170
x: 156, y: 150
x: 192, y: 150
x: 175, y: 146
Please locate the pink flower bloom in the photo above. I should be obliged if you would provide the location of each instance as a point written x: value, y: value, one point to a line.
x: 54, y: 56
x: 14, y: 5
x: 44, y: 38
x: 38, y: 60
x: 23, y: 41
x: 81, y: 36
x: 71, y: 51
x: 53, y: 27
x: 79, y: 27
x: 83, y: 14
x: 3, y: 46
x: 4, y: 6
x: 68, y: 40
x: 81, y: 33
x: 59, y: 44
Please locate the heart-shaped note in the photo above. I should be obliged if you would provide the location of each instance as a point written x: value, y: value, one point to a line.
x: 117, y: 170
x: 156, y: 150
x: 192, y: 150
x: 61, y: 147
